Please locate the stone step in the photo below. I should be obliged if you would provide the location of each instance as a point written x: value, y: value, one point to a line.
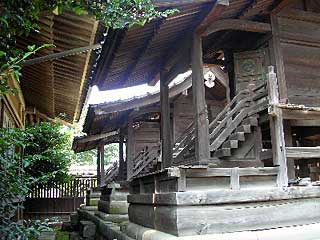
x: 222, y: 152
x: 244, y: 128
x: 237, y: 136
x: 231, y: 144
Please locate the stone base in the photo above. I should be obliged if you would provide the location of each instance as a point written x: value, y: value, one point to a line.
x: 131, y: 231
x: 223, y: 211
x: 113, y: 199
x: 92, y: 197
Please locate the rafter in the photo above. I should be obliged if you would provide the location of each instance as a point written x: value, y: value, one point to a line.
x: 238, y: 25
x: 140, y: 52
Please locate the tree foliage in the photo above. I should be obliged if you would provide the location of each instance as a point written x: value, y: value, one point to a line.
x: 15, y: 184
x: 48, y: 151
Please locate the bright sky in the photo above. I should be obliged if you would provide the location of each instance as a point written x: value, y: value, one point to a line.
x: 97, y: 96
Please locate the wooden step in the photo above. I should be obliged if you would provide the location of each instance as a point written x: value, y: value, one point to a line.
x: 253, y: 121
x: 244, y: 128
x: 231, y: 144
x: 237, y: 136
x: 222, y: 152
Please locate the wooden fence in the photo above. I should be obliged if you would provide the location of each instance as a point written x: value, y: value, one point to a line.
x: 57, y: 198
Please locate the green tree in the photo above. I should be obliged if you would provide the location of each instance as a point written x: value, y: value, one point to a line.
x: 14, y: 185
x: 111, y: 152
x: 48, y: 151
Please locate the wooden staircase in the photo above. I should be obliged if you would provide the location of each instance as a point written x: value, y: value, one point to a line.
x: 230, y: 129
x: 146, y: 161
x: 235, y: 140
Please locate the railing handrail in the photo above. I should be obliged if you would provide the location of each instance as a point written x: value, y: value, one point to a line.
x: 147, y: 158
x: 235, y: 106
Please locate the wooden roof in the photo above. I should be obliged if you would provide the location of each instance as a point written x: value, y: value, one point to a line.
x: 136, y: 55
x: 58, y: 87
x: 105, y: 117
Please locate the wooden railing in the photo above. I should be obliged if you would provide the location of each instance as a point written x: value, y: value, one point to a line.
x: 75, y: 188
x: 227, y: 120
x: 183, y: 140
x: 146, y: 160
x: 245, y: 103
x: 111, y: 172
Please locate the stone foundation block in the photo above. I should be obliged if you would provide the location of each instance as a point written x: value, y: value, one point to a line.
x: 114, y: 207
x: 87, y: 229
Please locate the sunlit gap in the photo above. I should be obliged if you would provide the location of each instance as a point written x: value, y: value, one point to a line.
x: 97, y: 96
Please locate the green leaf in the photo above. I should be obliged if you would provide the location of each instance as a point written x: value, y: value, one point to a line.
x: 2, y: 53
x: 31, y: 47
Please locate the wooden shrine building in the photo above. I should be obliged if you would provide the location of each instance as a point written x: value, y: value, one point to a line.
x: 234, y: 169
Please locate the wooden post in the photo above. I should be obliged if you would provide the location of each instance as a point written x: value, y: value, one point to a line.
x: 102, y: 172
x: 199, y: 103
x: 98, y: 167
x: 121, y: 159
x: 276, y: 127
x: 276, y: 53
x: 130, y: 149
x: 165, y: 129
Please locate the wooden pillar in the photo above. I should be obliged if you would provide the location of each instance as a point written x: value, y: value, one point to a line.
x: 165, y: 129
x: 98, y: 167
x: 102, y: 172
x: 289, y: 143
x: 121, y: 159
x: 277, y: 57
x: 130, y: 149
x: 201, y: 122
x: 276, y: 129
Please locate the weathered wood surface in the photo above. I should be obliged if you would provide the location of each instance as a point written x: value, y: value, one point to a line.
x: 299, y: 42
x: 276, y: 129
x: 130, y: 148
x: 165, y: 128
x: 303, y: 152
x: 222, y: 218
x: 226, y: 196
x: 237, y: 24
x: 201, y: 121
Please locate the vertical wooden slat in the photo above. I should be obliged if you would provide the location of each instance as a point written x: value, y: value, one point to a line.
x: 165, y: 129
x: 199, y: 103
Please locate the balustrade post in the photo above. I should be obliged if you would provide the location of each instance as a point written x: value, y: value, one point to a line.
x: 276, y: 129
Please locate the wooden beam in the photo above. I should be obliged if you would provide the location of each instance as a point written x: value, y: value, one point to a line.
x: 277, y: 57
x: 276, y: 130
x: 238, y: 25
x: 98, y: 136
x: 215, y: 12
x: 165, y: 129
x: 53, y: 56
x: 102, y: 172
x: 98, y: 167
x: 121, y: 158
x: 300, y: 114
x: 143, y: 101
x: 130, y: 149
x: 303, y: 152
x: 138, y: 53
x: 173, y: 3
x: 199, y: 103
